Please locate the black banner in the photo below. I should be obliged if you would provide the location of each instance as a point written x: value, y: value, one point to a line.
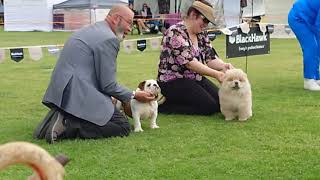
x: 212, y: 35
x: 253, y: 43
x: 16, y: 54
x: 141, y: 44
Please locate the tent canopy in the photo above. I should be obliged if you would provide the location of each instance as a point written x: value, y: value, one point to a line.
x: 89, y: 4
x: 28, y: 15
x: 1, y: 8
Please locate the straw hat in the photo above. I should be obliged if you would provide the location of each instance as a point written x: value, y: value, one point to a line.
x: 205, y: 10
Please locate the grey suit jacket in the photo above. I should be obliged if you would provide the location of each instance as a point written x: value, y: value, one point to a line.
x: 84, y: 78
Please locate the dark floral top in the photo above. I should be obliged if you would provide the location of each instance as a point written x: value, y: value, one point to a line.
x: 177, y: 50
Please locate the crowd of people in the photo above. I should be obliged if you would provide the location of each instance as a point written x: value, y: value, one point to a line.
x: 84, y: 80
x: 83, y: 84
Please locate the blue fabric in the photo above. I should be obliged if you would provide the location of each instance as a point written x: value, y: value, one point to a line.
x: 154, y: 22
x: 304, y: 20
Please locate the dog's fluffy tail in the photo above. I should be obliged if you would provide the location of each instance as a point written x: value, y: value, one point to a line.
x: 116, y: 103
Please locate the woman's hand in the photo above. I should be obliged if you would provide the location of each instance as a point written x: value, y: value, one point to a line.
x: 227, y: 66
x: 202, y: 69
x: 219, y: 76
x: 219, y: 64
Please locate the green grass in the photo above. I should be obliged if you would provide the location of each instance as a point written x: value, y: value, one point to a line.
x: 281, y: 140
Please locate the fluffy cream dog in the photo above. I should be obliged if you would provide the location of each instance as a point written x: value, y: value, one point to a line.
x: 235, y: 96
x: 140, y: 110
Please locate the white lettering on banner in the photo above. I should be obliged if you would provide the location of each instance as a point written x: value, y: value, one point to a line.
x: 252, y: 38
x: 141, y: 44
x: 251, y: 47
x: 243, y: 48
x: 17, y: 54
x: 256, y: 47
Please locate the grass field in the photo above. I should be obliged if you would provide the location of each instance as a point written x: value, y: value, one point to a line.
x: 281, y: 140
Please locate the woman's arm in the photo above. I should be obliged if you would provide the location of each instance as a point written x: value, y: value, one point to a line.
x: 219, y: 65
x: 211, y: 56
x: 202, y: 69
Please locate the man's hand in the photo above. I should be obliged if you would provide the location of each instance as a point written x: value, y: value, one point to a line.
x: 143, y: 96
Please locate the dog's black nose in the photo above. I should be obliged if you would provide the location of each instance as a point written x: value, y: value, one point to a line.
x: 236, y: 83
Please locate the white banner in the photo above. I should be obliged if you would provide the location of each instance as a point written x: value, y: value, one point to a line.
x: 2, y: 54
x: 128, y: 46
x: 35, y: 53
x: 54, y: 50
x: 154, y: 43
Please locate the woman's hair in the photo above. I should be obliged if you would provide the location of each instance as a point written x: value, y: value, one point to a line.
x: 192, y: 9
x: 144, y: 4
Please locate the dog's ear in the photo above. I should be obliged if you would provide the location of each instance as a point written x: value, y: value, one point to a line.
x: 245, y: 75
x: 141, y: 85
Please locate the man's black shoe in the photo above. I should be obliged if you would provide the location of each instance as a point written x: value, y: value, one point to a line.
x: 55, y: 129
x: 41, y: 129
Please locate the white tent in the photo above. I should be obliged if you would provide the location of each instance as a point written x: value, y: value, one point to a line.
x: 273, y: 11
x: 277, y: 11
x: 74, y: 14
x: 1, y: 8
x: 28, y: 15
x: 1, y: 13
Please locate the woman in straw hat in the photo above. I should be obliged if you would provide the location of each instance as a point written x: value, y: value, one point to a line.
x: 186, y: 58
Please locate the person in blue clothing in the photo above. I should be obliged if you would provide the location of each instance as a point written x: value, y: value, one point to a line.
x: 304, y: 20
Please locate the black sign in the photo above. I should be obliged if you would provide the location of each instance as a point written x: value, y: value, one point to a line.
x: 141, y: 44
x: 270, y: 28
x: 16, y: 54
x: 253, y: 43
x: 212, y: 35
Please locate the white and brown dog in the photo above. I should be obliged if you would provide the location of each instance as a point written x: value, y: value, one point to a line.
x: 140, y: 110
